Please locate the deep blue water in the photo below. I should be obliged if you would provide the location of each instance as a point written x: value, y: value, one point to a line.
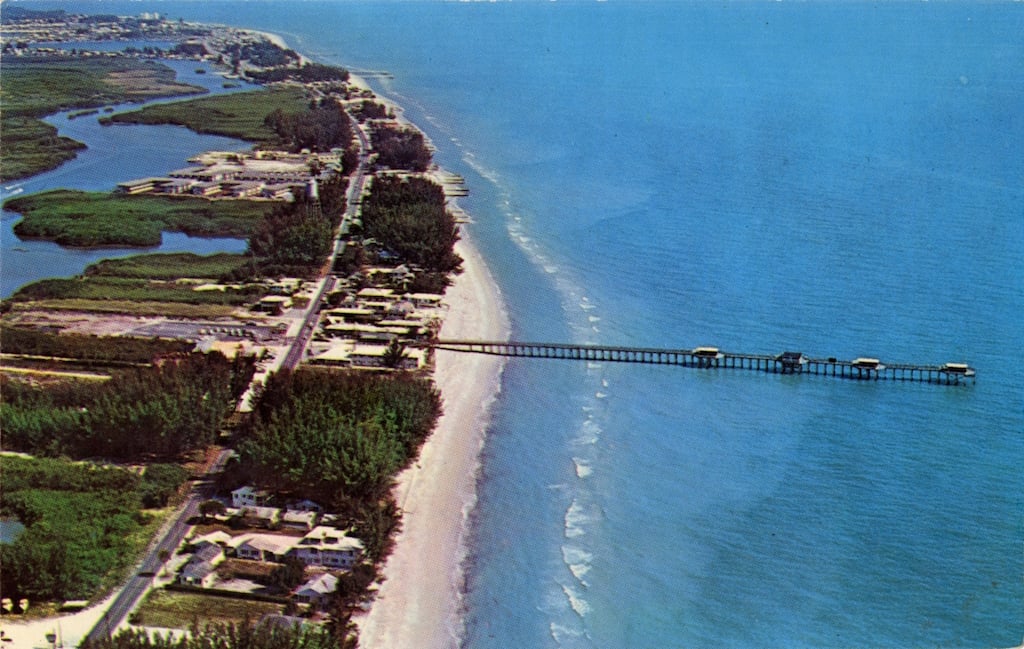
x: 840, y: 179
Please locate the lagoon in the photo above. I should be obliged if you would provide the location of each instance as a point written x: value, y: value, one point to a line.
x: 838, y: 178
x: 115, y: 154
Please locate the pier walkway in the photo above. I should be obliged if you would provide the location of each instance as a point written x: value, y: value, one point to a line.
x: 862, y: 369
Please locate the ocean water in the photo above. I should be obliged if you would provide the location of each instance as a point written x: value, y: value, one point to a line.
x: 842, y: 179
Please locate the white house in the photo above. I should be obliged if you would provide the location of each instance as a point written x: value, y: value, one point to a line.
x: 249, y: 496
x: 265, y: 547
x: 317, y: 591
x: 299, y: 520
x: 328, y: 546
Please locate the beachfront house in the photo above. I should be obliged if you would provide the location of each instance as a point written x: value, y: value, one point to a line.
x: 317, y: 591
x: 329, y: 547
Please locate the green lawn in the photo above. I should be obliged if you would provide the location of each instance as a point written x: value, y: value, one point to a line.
x: 176, y: 610
x: 239, y: 115
x: 84, y: 219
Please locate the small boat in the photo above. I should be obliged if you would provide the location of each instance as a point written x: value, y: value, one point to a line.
x: 19, y: 249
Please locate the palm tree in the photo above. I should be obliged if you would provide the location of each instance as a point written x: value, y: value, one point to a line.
x: 394, y: 354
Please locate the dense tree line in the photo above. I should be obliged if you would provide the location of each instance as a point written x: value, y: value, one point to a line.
x: 295, y: 239
x: 190, y: 49
x: 244, y: 635
x: 18, y: 340
x: 370, y: 110
x: 409, y: 217
x: 308, y: 73
x: 400, y: 148
x: 262, y: 54
x: 321, y: 128
x: 79, y: 522
x: 337, y: 437
x: 161, y: 411
x: 332, y: 197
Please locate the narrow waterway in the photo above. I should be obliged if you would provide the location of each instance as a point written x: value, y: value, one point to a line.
x: 115, y: 154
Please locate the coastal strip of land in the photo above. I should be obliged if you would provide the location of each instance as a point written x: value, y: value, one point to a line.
x: 418, y: 603
x: 418, y: 600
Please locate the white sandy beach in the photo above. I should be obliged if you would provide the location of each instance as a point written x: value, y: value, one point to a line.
x: 418, y: 604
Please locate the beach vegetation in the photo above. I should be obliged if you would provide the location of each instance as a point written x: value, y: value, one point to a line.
x: 263, y: 54
x: 84, y: 219
x: 307, y: 73
x: 294, y: 238
x: 337, y: 437
x: 400, y: 147
x: 368, y: 109
x: 321, y: 128
x: 408, y: 216
x: 37, y: 86
x: 82, y: 522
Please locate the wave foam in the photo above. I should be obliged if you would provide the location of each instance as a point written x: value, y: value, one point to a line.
x: 576, y: 601
x: 576, y: 517
x: 578, y: 560
x: 583, y: 468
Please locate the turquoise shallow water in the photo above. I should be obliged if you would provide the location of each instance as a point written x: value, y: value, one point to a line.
x: 842, y: 179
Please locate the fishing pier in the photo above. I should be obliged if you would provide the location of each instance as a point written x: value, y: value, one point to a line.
x: 859, y: 369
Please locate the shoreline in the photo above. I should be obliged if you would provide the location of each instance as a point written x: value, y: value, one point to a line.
x: 419, y: 603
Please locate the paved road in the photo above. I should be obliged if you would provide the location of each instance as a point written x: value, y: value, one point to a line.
x: 140, y: 582
x: 298, y: 348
